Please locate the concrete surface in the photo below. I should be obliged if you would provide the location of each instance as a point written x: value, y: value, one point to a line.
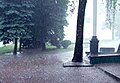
x: 110, y: 68
x: 34, y: 66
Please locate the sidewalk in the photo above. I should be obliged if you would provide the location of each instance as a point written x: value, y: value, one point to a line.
x: 47, y: 67
x: 112, y: 69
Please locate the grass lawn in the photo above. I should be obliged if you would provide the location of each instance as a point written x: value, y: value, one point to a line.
x: 9, y: 48
x: 6, y: 49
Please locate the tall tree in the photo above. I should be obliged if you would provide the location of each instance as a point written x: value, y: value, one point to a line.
x: 16, y: 22
x: 110, y: 16
x: 78, y: 52
x: 49, y: 19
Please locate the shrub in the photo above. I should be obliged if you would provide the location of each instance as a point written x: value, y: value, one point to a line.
x: 55, y: 43
x: 65, y: 43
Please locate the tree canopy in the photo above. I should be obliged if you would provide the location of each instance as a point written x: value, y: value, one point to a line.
x: 16, y: 20
x: 111, y: 14
x: 38, y: 21
x: 49, y: 20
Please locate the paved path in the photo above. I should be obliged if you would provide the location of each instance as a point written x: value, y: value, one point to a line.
x: 35, y: 66
x: 110, y: 68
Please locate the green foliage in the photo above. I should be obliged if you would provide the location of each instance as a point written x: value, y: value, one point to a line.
x: 72, y: 5
x: 111, y: 10
x: 65, y: 43
x: 27, y: 43
x: 33, y: 21
x: 16, y: 21
x: 56, y: 43
x: 49, y: 20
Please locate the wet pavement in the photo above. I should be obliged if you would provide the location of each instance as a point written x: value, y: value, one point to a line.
x: 35, y: 66
x: 110, y: 68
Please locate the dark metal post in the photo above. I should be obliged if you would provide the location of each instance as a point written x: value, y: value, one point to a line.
x: 94, y: 45
x: 94, y: 41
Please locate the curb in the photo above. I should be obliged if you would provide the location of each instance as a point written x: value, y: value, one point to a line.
x: 110, y: 74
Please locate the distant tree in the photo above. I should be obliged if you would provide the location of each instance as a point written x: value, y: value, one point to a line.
x: 16, y: 21
x: 49, y: 20
x: 117, y: 24
x: 58, y: 15
x: 110, y: 16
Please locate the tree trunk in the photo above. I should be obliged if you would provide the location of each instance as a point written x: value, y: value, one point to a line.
x: 78, y: 51
x: 15, y: 47
x: 37, y: 21
x: 43, y: 46
x: 20, y: 45
x: 113, y: 27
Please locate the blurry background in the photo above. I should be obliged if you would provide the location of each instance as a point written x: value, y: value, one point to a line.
x: 104, y: 31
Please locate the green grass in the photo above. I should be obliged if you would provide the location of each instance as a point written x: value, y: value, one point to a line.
x: 9, y: 48
x: 6, y: 49
x: 54, y: 47
x: 50, y: 47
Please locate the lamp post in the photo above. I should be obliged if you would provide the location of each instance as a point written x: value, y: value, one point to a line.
x: 94, y: 41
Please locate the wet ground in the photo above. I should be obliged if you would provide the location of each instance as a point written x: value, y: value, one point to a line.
x: 34, y: 66
x: 110, y: 68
